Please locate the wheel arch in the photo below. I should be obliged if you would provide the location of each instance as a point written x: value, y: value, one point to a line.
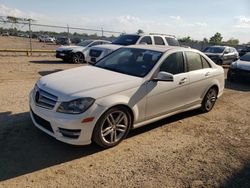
x: 121, y: 101
x: 214, y: 85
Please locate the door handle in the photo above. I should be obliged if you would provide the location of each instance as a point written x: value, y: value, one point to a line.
x: 207, y: 74
x: 182, y: 81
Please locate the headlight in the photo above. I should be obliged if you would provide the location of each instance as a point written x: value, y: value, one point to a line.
x: 233, y: 65
x: 76, y: 106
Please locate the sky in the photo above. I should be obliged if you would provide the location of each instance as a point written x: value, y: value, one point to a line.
x: 194, y: 18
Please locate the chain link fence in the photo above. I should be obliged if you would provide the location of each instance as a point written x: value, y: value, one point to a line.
x: 28, y: 36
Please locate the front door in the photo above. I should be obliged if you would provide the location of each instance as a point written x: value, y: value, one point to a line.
x: 165, y: 97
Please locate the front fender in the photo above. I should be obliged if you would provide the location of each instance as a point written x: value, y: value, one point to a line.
x: 115, y: 100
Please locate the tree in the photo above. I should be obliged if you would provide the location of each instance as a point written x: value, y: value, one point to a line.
x: 233, y: 42
x: 185, y: 39
x: 216, y: 39
x: 205, y: 40
x: 140, y: 31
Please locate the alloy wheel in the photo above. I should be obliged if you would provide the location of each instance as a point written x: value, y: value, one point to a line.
x: 78, y: 58
x: 210, y: 99
x: 114, y: 127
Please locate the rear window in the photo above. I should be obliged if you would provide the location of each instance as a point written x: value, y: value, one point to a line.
x: 245, y: 57
x: 205, y: 63
x: 126, y: 40
x: 172, y: 41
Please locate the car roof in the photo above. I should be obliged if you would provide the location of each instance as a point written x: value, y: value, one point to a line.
x: 221, y: 46
x: 159, y: 48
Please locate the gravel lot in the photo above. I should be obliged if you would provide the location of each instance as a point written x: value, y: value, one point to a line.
x: 12, y: 42
x: 187, y: 150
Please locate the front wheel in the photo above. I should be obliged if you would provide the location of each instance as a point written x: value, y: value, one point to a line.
x: 209, y: 100
x: 78, y: 58
x: 112, y: 127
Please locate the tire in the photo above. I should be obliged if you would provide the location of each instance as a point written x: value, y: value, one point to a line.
x: 78, y: 58
x: 65, y: 60
x: 112, y: 127
x: 209, y: 100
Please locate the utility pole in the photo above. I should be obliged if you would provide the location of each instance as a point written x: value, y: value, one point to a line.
x: 102, y: 33
x: 68, y: 34
x: 30, y: 34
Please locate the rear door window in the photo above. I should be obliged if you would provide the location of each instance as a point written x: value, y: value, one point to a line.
x: 193, y: 61
x: 146, y: 40
x: 158, y: 41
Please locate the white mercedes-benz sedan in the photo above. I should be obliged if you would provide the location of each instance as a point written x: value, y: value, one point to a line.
x: 129, y: 88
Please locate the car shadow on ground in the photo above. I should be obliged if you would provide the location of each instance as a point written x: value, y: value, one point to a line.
x: 25, y: 149
x: 44, y: 73
x: 239, y: 179
x: 238, y: 85
x: 49, y: 62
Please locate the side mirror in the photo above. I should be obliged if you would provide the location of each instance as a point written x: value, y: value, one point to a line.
x: 164, y: 76
x: 226, y: 52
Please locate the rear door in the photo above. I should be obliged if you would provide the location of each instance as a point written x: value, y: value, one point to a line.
x: 227, y: 56
x: 200, y: 74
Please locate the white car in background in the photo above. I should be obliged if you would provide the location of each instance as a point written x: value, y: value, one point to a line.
x: 129, y: 88
x: 98, y: 52
x: 77, y: 53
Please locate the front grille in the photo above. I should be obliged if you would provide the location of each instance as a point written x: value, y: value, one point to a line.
x: 95, y: 53
x: 42, y: 122
x: 44, y: 99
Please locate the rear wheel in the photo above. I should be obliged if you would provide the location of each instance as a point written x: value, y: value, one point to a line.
x: 209, y: 100
x: 78, y: 58
x: 112, y: 127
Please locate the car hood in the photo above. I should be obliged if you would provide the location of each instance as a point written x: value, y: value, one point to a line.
x: 87, y: 81
x: 61, y: 48
x: 106, y: 46
x: 244, y: 65
x: 212, y: 54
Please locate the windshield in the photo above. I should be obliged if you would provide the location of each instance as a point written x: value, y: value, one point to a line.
x: 215, y: 49
x: 126, y: 40
x: 245, y: 57
x: 84, y: 43
x: 131, y: 61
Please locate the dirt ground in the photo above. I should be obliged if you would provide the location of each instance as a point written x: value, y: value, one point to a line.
x: 187, y: 150
x: 11, y: 42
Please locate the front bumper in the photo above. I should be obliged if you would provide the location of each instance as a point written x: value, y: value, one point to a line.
x: 239, y: 73
x: 65, y: 127
x: 63, y: 55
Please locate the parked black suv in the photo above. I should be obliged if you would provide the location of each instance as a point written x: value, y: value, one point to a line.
x: 222, y: 54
